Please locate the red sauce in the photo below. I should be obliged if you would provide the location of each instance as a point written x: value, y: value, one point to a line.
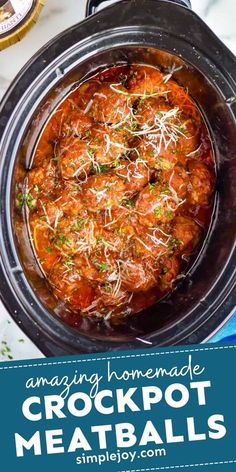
x: 120, y: 192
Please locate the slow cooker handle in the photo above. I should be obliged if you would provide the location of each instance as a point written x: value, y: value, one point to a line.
x: 92, y: 5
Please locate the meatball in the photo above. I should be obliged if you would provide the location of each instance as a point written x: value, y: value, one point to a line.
x: 76, y: 234
x: 155, y: 205
x: 168, y: 133
x: 177, y: 181
x: 169, y: 269
x: 70, y: 287
x: 77, y: 124
x: 49, y: 211
x: 151, y: 242
x: 82, y: 97
x: 73, y: 158
x: 189, y: 139
x: 138, y: 275
x: 146, y: 81
x: 156, y: 157
x: 136, y: 175
x: 110, y: 294
x: 107, y: 145
x: 103, y: 191
x: 179, y: 98
x: 155, y: 111
x: 121, y: 224
x: 99, y: 266
x: 201, y: 183
x: 110, y: 104
x: 42, y: 180
x: 70, y: 199
x: 186, y: 234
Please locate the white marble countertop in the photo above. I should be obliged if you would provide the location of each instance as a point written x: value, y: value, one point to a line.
x: 56, y: 16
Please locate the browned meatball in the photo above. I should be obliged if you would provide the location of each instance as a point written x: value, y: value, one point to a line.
x: 201, y: 183
x: 75, y: 234
x: 107, y: 145
x: 189, y: 139
x: 77, y: 124
x: 138, y: 275
x: 168, y: 133
x: 155, y: 113
x: 73, y: 158
x: 111, y: 295
x: 110, y: 104
x: 186, y: 234
x: 157, y: 157
x: 169, y: 269
x: 155, y: 205
x: 178, y: 97
x: 146, y: 81
x: 103, y: 191
x: 49, y: 212
x: 121, y: 224
x: 69, y: 199
x: 177, y: 181
x: 70, y: 287
x: 42, y: 179
x: 82, y: 97
x: 136, y: 175
x: 98, y: 266
x: 151, y: 242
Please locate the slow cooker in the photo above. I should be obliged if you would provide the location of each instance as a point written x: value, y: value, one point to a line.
x: 159, y: 33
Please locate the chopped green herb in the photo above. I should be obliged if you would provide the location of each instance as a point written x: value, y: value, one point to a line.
x: 69, y: 262
x: 151, y: 187
x: 26, y: 198
x: 152, y: 152
x: 60, y: 239
x: 101, y: 266
x: 107, y: 288
x: 170, y: 214
x: 80, y: 222
x: 158, y: 212
x: 101, y: 168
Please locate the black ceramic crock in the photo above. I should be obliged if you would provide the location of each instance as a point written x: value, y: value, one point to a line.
x: 155, y: 32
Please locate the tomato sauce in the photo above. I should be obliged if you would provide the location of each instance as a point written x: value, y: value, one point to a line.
x: 120, y: 192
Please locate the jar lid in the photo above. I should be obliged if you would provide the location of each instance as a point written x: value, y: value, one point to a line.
x: 16, y: 18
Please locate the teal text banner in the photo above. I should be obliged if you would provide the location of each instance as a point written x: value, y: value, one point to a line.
x: 170, y: 409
